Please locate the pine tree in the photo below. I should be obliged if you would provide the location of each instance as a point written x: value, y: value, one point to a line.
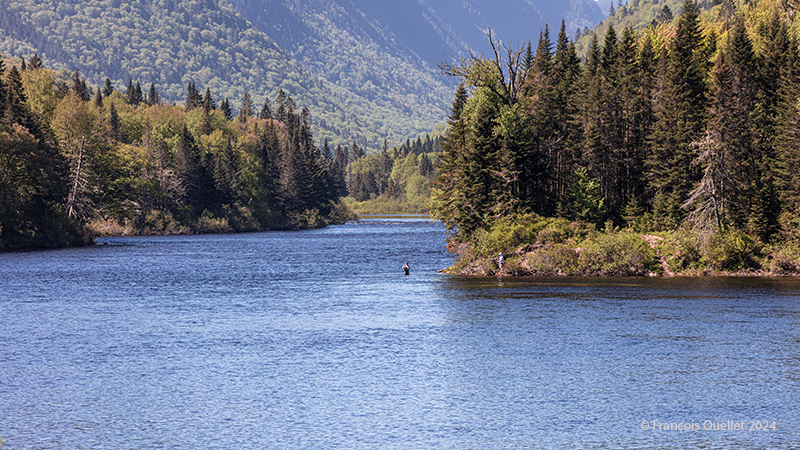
x: 208, y: 101
x: 79, y: 87
x: 108, y: 89
x: 193, y: 98
x: 680, y: 117
x: 152, y: 97
x: 113, y: 122
x: 98, y: 99
x: 266, y: 110
x: 246, y: 109
x: 225, y: 107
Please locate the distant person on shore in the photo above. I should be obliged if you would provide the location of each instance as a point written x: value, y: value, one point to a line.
x: 500, y: 261
x: 406, y: 268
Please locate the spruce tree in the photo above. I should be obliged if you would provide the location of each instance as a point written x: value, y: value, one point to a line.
x: 35, y: 62
x: 566, y: 152
x: 130, y: 92
x: 152, y: 97
x: 113, y: 122
x: 108, y: 89
x: 225, y: 108
x: 266, y: 110
x: 15, y: 100
x: 79, y: 87
x: 208, y: 101
x: 246, y: 109
x: 98, y: 99
x: 680, y: 118
x: 193, y: 98
x: 446, y: 197
x: 138, y: 95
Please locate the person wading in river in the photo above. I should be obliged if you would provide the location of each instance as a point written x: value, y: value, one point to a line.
x: 406, y: 268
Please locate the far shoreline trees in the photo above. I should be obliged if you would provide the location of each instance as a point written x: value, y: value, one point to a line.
x: 74, y: 164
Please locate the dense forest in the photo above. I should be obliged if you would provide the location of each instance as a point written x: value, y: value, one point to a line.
x: 76, y: 161
x: 394, y: 181
x: 686, y: 126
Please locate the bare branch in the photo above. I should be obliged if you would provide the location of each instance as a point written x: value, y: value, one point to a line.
x: 504, y: 74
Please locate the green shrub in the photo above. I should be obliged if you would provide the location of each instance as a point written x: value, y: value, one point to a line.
x: 784, y: 261
x: 159, y: 222
x: 207, y: 223
x: 617, y: 254
x: 731, y: 250
x: 241, y: 218
x: 682, y: 250
x: 506, y: 235
x: 557, y: 260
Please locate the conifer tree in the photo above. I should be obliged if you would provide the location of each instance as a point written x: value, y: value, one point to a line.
x: 787, y: 140
x: 266, y: 110
x: 108, y: 89
x: 113, y: 122
x: 225, y: 108
x: 246, y: 109
x: 15, y: 100
x: 98, y: 99
x: 193, y: 97
x: 208, y: 101
x: 565, y: 154
x: 130, y: 92
x: 680, y: 117
x: 138, y: 95
x: 79, y: 87
x: 152, y: 97
x: 35, y: 62
x: 446, y: 195
x: 280, y: 111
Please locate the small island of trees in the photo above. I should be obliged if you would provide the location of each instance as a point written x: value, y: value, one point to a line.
x: 675, y: 149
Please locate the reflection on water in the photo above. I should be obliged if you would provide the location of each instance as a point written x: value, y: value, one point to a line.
x: 315, y: 339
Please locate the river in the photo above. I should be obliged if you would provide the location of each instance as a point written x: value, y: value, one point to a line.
x: 316, y: 339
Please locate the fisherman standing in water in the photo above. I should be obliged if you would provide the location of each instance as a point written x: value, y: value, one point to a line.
x: 406, y: 268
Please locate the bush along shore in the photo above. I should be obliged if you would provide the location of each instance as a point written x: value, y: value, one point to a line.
x: 549, y: 247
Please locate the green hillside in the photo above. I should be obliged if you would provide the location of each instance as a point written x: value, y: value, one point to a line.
x: 174, y: 42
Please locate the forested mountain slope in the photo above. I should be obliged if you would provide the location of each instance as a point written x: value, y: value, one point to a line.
x: 367, y: 70
x: 171, y: 43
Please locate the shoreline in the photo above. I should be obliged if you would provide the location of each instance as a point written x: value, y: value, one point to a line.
x: 624, y: 253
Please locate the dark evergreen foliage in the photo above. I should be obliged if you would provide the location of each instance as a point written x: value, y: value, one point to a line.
x: 225, y: 107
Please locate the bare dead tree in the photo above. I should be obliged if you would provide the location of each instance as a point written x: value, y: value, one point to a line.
x: 504, y: 75
x: 75, y: 192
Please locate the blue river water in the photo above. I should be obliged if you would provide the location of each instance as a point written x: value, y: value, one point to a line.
x: 316, y: 339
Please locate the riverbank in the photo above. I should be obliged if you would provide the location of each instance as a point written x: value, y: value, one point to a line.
x: 557, y: 247
x: 239, y: 220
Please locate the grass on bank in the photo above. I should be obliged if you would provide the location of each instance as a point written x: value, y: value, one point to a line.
x: 387, y: 205
x: 538, y: 246
x: 232, y: 219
